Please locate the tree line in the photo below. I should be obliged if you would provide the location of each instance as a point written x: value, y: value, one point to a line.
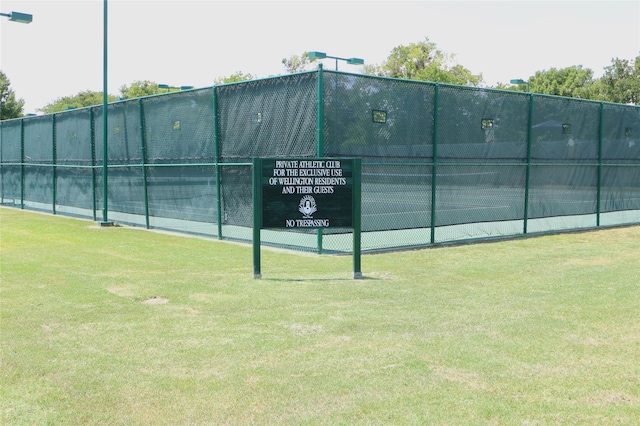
x: 620, y: 82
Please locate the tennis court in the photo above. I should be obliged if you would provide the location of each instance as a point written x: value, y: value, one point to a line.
x: 440, y: 162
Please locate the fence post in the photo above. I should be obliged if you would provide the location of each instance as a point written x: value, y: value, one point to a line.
x: 1, y: 174
x: 22, y: 163
x: 143, y: 155
x: 256, y: 190
x: 320, y: 136
x: 599, y: 195
x: 357, y: 217
x: 528, y: 166
x: 216, y: 153
x: 105, y: 165
x: 92, y: 137
x: 53, y: 161
x: 434, y: 154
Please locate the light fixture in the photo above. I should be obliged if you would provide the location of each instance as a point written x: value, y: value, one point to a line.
x: 322, y: 55
x: 23, y: 18
x: 520, y: 81
x: 168, y: 88
x: 316, y: 55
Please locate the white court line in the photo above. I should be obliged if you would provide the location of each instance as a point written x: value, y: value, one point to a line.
x: 404, y: 212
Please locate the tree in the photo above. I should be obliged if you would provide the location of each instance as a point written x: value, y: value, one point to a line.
x: 296, y: 63
x: 236, y: 77
x: 139, y: 89
x: 83, y: 99
x: 503, y: 86
x: 621, y: 81
x: 424, y: 61
x: 573, y: 82
x: 10, y: 107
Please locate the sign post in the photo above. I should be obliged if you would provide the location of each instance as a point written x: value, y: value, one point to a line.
x: 307, y: 193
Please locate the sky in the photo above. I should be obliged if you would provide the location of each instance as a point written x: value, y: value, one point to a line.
x: 194, y: 42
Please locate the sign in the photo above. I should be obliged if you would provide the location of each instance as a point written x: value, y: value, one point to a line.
x: 307, y: 193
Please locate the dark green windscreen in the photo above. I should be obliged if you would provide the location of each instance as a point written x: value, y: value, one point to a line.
x: 439, y: 162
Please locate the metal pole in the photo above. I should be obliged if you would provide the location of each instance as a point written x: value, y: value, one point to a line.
x: 53, y: 163
x: 527, y: 177
x: 599, y: 195
x: 357, y: 218
x: 216, y: 148
x: 320, y: 136
x: 1, y: 177
x: 105, y: 153
x: 92, y: 133
x: 320, y: 117
x: 22, y: 163
x: 434, y: 167
x: 256, y: 189
x: 143, y: 161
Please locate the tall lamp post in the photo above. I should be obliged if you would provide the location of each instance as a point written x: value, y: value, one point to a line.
x: 105, y: 132
x: 520, y: 81
x: 322, y: 55
x: 23, y: 18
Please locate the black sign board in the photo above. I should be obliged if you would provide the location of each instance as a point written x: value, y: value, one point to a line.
x: 307, y: 193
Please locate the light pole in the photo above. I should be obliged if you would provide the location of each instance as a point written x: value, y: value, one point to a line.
x: 105, y: 132
x: 520, y: 81
x: 23, y: 18
x: 322, y: 55
x: 168, y: 88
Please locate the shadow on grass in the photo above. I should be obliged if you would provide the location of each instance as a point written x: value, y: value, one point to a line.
x: 320, y: 279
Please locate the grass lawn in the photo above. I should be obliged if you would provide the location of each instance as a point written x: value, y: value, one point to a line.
x: 121, y: 326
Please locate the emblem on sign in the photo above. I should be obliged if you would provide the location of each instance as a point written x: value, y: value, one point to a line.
x: 307, y: 206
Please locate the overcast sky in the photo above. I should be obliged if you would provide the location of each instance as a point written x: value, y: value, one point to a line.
x: 194, y: 42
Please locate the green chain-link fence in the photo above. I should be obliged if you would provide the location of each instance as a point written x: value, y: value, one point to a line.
x: 439, y: 162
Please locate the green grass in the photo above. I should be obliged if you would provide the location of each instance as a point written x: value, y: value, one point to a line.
x: 123, y: 326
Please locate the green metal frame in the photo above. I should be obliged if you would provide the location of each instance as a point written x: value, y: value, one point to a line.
x: 320, y: 136
x: 435, y: 163
x: 357, y: 218
x: 528, y: 167
x: 599, y: 196
x: 1, y: 177
x: 53, y: 162
x: 143, y: 159
x: 92, y: 135
x: 22, y: 163
x: 216, y: 148
x: 256, y: 191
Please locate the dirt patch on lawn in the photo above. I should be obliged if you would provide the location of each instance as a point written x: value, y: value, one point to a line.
x: 156, y: 300
x: 121, y: 291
